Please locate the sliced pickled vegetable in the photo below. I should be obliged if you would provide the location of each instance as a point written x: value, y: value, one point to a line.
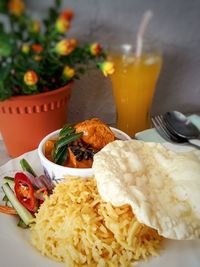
x: 25, y: 192
x: 23, y: 213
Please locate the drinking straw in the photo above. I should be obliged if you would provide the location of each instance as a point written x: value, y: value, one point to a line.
x: 142, y: 28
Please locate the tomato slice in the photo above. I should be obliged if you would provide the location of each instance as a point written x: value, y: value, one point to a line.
x: 24, y: 191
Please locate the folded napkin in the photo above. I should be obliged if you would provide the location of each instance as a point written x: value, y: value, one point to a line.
x: 151, y: 135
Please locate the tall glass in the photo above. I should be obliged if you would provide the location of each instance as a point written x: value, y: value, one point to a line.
x: 133, y: 85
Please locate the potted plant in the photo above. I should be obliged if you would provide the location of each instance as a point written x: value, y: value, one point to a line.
x: 38, y: 64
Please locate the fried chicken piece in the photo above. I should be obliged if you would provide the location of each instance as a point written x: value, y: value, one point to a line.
x: 95, y: 132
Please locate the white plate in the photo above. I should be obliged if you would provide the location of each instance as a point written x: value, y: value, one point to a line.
x: 16, y: 250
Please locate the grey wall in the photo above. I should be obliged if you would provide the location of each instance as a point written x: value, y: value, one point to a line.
x: 176, y: 25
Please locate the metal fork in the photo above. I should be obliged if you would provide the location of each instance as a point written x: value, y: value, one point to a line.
x: 164, y: 131
x: 168, y: 134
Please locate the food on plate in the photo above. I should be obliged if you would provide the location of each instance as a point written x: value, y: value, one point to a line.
x: 76, y: 145
x: 8, y: 210
x: 24, y: 193
x: 161, y: 186
x: 74, y: 225
x: 95, y: 133
x: 141, y: 192
x: 24, y: 214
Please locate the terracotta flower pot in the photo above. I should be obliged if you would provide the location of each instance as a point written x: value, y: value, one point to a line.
x: 25, y: 120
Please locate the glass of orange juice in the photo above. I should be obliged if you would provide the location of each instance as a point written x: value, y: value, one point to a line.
x: 133, y: 84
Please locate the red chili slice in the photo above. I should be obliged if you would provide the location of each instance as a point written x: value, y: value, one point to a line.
x: 24, y: 191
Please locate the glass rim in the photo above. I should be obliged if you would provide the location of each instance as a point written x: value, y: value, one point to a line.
x: 129, y: 46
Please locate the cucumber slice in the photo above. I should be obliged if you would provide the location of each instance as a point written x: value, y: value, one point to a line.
x: 5, y: 199
x: 10, y: 181
x: 7, y: 202
x: 21, y: 224
x: 9, y: 178
x: 23, y: 213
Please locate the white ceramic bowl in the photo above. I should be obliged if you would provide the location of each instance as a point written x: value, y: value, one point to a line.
x: 57, y: 172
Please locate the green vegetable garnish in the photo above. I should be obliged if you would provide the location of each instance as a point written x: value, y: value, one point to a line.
x: 27, y: 167
x: 66, y: 136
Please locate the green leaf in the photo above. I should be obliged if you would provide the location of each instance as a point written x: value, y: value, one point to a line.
x: 62, y: 155
x: 66, y: 140
x: 66, y: 130
x: 58, y: 3
x: 3, y: 6
x: 7, y: 44
x: 1, y: 27
x: 66, y: 136
x: 29, y: 90
x: 4, y: 72
x: 5, y: 91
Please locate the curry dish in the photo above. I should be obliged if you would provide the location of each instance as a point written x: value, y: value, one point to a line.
x: 90, y: 137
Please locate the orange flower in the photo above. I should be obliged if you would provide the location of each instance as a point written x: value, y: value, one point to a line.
x: 25, y: 48
x: 30, y: 78
x: 65, y: 47
x: 37, y: 48
x: 37, y: 58
x: 35, y: 26
x: 62, y: 25
x: 16, y: 7
x: 68, y: 72
x: 95, y: 49
x: 107, y: 68
x: 67, y: 14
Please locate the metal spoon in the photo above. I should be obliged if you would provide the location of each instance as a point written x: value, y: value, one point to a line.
x: 182, y: 127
